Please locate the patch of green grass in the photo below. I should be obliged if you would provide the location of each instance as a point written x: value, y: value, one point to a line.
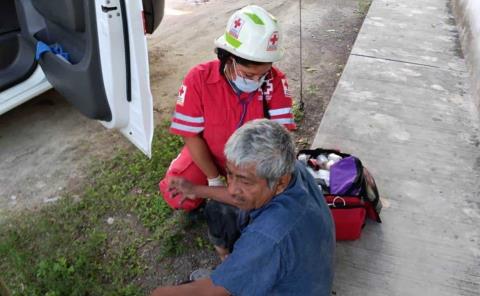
x: 298, y: 113
x: 70, y: 249
x: 298, y: 110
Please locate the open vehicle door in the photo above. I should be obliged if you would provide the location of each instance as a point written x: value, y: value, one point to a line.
x: 104, y: 73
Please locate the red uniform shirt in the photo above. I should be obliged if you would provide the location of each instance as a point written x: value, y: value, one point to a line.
x: 207, y: 105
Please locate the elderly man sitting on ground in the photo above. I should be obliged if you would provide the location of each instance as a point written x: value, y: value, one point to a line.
x: 286, y: 240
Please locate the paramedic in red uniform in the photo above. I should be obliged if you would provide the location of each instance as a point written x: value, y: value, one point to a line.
x: 219, y: 96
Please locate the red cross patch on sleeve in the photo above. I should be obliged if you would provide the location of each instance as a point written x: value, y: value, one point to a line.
x: 236, y: 27
x: 181, y: 95
x: 285, y: 87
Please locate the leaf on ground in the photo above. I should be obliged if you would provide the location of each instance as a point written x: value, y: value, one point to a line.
x: 310, y: 70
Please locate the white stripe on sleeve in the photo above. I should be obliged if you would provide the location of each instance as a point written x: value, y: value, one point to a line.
x: 282, y: 111
x: 188, y: 118
x: 186, y: 128
x: 283, y: 120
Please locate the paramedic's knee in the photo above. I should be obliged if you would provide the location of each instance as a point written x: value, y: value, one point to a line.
x: 182, y: 166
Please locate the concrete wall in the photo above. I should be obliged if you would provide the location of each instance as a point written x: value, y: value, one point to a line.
x: 467, y: 15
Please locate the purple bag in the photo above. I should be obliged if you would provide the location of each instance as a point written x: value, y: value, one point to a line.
x: 346, y: 177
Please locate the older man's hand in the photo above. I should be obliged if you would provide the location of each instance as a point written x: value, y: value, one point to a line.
x: 178, y: 185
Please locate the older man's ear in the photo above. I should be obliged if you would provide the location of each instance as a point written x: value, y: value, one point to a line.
x: 283, y: 183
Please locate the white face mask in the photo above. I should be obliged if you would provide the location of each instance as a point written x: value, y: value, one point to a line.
x: 245, y: 84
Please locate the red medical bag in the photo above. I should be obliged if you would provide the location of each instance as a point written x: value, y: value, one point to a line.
x: 351, y: 192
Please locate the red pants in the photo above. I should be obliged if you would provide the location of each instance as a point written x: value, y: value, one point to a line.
x: 183, y: 166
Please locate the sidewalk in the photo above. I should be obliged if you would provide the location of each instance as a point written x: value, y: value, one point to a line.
x: 403, y: 106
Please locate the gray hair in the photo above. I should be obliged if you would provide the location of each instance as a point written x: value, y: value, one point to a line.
x: 265, y: 144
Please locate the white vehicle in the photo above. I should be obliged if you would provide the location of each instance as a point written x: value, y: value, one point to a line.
x: 106, y: 74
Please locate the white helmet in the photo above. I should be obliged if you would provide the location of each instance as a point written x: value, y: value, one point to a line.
x: 253, y: 34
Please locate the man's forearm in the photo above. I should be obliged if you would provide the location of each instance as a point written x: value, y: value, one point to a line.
x: 199, y: 288
x: 219, y: 194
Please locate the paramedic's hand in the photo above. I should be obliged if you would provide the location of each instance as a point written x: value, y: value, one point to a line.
x: 181, y: 186
x: 216, y: 182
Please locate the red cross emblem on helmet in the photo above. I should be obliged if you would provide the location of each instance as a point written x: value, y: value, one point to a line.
x: 236, y: 27
x: 273, y: 41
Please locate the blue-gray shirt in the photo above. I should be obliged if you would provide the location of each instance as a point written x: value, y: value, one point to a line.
x: 287, y: 248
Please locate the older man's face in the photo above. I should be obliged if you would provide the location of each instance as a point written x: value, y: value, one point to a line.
x: 248, y: 190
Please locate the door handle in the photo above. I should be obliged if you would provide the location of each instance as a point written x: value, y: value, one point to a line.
x: 107, y: 9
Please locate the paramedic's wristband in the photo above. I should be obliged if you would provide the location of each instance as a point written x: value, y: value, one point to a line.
x: 217, y: 181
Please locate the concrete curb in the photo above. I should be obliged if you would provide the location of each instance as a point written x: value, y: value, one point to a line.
x: 467, y: 15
